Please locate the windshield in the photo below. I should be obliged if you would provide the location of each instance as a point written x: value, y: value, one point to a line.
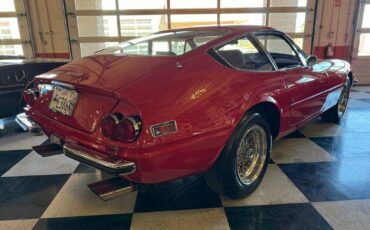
x: 172, y: 43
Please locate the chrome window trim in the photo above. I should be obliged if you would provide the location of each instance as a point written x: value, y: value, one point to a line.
x: 283, y: 36
x: 254, y: 42
x: 62, y: 84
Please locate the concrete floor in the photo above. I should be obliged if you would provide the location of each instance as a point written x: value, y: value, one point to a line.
x: 319, y: 178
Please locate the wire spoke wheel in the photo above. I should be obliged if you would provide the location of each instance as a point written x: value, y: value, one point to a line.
x: 251, y: 154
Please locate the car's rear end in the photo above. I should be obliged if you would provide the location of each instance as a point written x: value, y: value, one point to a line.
x: 77, y: 107
x: 91, y: 108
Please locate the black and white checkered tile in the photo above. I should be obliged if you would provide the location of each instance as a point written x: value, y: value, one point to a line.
x: 319, y: 178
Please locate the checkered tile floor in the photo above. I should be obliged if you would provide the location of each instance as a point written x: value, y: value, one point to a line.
x: 319, y: 178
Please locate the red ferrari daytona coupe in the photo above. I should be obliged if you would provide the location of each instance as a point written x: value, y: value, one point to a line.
x: 183, y: 102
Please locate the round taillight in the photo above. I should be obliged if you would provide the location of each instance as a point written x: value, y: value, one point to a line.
x: 109, y: 125
x: 30, y: 96
x: 128, y: 129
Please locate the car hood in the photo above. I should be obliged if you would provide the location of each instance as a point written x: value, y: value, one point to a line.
x: 107, y: 73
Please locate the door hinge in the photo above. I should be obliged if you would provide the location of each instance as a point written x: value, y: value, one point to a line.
x: 72, y: 14
x: 74, y: 41
x: 26, y: 42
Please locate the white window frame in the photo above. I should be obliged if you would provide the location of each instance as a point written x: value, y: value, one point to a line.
x: 22, y: 15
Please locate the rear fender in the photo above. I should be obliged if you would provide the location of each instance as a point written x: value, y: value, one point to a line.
x: 264, y: 98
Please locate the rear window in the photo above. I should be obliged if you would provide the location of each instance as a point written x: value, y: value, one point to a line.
x: 172, y: 43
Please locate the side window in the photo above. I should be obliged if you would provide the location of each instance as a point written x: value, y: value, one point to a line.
x: 187, y: 47
x: 203, y: 39
x: 160, y: 48
x: 242, y: 54
x: 280, y: 50
x: 177, y: 47
x: 138, y: 49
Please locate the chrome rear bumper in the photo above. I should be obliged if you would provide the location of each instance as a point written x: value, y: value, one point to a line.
x: 100, y: 161
x: 24, y: 121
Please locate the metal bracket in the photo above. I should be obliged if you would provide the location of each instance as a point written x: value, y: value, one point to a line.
x: 75, y: 41
x: 72, y: 14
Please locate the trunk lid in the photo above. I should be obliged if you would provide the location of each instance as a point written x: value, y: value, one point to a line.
x: 96, y: 78
x: 108, y: 73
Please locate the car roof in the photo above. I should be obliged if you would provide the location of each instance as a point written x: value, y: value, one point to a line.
x: 233, y: 28
x: 233, y: 31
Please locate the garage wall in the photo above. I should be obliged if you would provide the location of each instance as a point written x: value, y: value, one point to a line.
x: 334, y: 25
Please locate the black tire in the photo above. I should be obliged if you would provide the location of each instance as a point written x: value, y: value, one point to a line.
x: 213, y: 181
x: 335, y: 114
x: 224, y: 176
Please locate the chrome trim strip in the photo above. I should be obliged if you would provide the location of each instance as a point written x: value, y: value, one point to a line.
x: 114, y: 117
x: 62, y: 84
x: 318, y: 94
x: 95, y: 159
x: 137, y: 126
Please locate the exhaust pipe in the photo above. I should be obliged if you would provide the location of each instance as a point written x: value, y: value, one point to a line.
x: 48, y: 150
x: 112, y: 188
x: 106, y: 189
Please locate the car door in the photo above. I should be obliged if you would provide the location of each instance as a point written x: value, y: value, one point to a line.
x: 304, y: 87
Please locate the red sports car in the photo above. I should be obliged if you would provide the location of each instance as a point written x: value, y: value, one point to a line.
x: 183, y: 102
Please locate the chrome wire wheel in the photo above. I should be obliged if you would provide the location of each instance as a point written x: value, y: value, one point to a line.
x: 343, y: 99
x: 251, y: 154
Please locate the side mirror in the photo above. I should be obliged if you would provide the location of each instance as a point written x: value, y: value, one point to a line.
x: 311, y: 60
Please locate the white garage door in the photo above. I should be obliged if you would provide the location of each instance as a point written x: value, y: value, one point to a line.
x: 361, y: 56
x: 96, y: 24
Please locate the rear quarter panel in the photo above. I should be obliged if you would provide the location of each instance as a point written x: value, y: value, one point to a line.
x: 204, y: 96
x: 207, y: 100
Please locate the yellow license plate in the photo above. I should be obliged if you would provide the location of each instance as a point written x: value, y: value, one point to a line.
x: 63, y: 100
